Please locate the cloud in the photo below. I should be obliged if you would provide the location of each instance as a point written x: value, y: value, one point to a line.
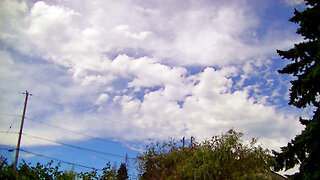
x: 27, y: 156
x: 201, y: 34
x: 294, y: 2
x: 146, y: 71
x: 125, y: 30
x: 102, y: 99
x: 207, y: 111
x: 133, y: 66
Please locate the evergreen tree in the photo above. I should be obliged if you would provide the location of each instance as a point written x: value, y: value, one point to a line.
x: 122, y: 173
x: 304, y: 149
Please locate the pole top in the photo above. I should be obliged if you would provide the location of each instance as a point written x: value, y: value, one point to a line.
x: 27, y: 93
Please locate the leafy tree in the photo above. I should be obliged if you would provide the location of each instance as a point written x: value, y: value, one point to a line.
x: 222, y: 157
x: 6, y: 171
x: 304, y: 149
x: 69, y: 175
x: 92, y: 175
x: 122, y: 173
x: 25, y: 171
x: 50, y: 172
x: 108, y: 172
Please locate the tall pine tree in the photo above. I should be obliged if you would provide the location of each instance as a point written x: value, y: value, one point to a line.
x: 304, y: 149
x: 122, y: 173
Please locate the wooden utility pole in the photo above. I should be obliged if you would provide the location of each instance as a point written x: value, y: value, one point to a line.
x: 20, y: 132
x: 191, y: 141
x: 183, y: 142
x: 127, y: 160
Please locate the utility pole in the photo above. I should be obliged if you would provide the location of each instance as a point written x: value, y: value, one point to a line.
x: 126, y: 161
x: 191, y: 141
x: 183, y: 142
x: 20, y: 132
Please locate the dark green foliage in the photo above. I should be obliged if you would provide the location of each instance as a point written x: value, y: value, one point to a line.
x: 305, y: 91
x: 122, y: 173
x: 49, y: 172
x: 92, y: 175
x: 222, y: 157
x: 108, y: 172
x: 6, y: 171
x: 26, y: 172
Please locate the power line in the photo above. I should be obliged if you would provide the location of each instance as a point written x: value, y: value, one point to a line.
x: 55, y: 159
x: 75, y: 132
x: 66, y: 162
x: 71, y: 107
x: 53, y: 102
x: 77, y: 147
x: 7, y: 149
x: 8, y: 114
x: 72, y: 146
x: 9, y: 90
x: 5, y: 132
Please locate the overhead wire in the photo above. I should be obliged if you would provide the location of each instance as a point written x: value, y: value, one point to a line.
x: 63, y: 105
x: 51, y: 158
x: 72, y: 146
x: 3, y: 132
x: 75, y: 132
x: 9, y: 114
x: 10, y: 127
x: 104, y: 119
x: 78, y: 147
x: 65, y: 129
x: 55, y: 159
x: 10, y: 90
x: 7, y: 93
x: 81, y: 148
x: 51, y: 101
x: 7, y: 149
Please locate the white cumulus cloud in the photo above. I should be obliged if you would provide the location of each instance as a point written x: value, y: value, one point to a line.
x: 149, y: 69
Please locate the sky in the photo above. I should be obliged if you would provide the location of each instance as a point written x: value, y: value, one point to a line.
x: 114, y: 76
